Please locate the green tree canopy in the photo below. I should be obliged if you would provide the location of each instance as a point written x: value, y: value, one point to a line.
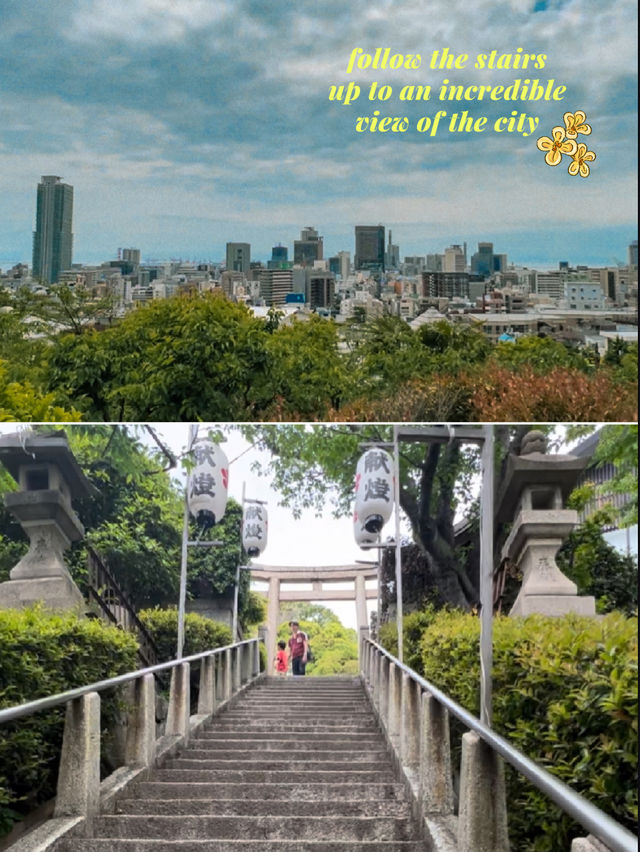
x: 335, y: 647
x: 135, y: 523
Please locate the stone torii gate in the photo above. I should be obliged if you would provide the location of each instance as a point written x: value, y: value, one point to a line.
x: 316, y: 576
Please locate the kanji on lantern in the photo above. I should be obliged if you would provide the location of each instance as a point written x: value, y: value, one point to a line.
x: 374, y: 492
x: 254, y: 528
x: 208, y: 481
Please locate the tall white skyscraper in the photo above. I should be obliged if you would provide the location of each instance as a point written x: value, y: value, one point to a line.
x: 53, y: 238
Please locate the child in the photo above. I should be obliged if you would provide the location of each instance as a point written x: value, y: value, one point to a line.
x: 281, y: 662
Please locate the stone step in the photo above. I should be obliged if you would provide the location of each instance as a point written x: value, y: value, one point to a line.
x: 260, y: 727
x: 241, y: 719
x: 269, y: 732
x: 253, y: 828
x: 272, y: 776
x: 264, y: 807
x: 269, y: 765
x: 308, y: 791
x: 287, y: 754
x: 95, y: 844
x: 233, y: 736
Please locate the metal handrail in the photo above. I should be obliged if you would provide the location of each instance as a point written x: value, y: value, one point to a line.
x: 601, y: 825
x: 22, y: 710
x: 147, y: 650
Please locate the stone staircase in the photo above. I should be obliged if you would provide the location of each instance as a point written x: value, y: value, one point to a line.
x: 295, y: 765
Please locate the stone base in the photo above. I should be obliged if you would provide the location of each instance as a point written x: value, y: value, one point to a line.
x: 553, y: 605
x: 55, y: 593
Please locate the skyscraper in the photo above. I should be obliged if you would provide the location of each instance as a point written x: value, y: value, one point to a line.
x: 369, y: 247
x: 52, y: 238
x: 308, y: 248
x: 632, y: 253
x: 238, y: 257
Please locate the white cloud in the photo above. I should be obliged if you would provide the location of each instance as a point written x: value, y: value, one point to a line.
x: 146, y: 20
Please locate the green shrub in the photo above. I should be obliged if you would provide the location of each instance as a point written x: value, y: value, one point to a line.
x: 44, y: 654
x: 413, y: 626
x: 200, y: 633
x: 565, y: 693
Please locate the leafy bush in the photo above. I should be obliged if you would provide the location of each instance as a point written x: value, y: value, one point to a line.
x: 200, y: 633
x: 560, y: 394
x: 44, y: 654
x: 565, y: 693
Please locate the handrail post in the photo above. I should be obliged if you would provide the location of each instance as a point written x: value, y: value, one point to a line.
x: 410, y: 727
x: 482, y: 820
x: 256, y: 658
x: 436, y: 783
x: 394, y: 720
x: 79, y: 773
x: 377, y: 695
x: 227, y: 679
x: 206, y: 688
x: 235, y: 669
x: 140, y: 748
x: 179, y: 702
x: 384, y: 690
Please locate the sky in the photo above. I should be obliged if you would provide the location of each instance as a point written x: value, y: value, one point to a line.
x: 184, y: 124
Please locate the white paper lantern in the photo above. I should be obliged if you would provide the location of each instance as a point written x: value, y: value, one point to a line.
x: 362, y: 536
x: 208, y: 483
x: 255, y: 525
x: 374, y: 489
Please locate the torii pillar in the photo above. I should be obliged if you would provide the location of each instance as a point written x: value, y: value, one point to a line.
x: 273, y: 613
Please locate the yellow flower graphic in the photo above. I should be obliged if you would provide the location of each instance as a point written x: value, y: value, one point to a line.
x: 556, y: 146
x: 575, y: 123
x: 579, y: 161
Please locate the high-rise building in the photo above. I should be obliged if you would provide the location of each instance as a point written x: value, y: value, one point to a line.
x: 52, y: 238
x: 131, y: 255
x: 238, y: 257
x: 320, y: 288
x: 392, y: 255
x: 445, y: 284
x: 454, y: 259
x: 632, y: 253
x: 308, y: 248
x: 370, y: 248
x: 482, y: 260
x: 279, y: 254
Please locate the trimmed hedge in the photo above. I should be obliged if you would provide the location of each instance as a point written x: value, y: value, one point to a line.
x: 44, y: 654
x: 565, y: 693
x: 200, y: 633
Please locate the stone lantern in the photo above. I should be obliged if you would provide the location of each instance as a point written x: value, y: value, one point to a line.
x: 49, y: 478
x: 537, y: 485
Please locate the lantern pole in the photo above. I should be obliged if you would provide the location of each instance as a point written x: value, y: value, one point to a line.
x: 234, y: 624
x: 396, y: 476
x: 193, y: 432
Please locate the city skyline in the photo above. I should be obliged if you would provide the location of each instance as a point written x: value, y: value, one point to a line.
x: 183, y: 125
x: 53, y: 239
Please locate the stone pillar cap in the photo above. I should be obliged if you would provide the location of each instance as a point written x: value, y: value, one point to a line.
x: 535, y: 469
x: 53, y: 448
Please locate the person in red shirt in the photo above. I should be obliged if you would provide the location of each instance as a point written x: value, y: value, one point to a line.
x: 298, y: 646
x: 281, y: 662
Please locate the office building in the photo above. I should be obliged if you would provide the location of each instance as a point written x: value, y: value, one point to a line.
x: 53, y: 238
x: 451, y: 285
x: 392, y: 255
x: 482, y: 260
x: 238, y: 257
x: 320, y: 288
x: 369, y: 248
x: 279, y: 256
x: 308, y: 248
x: 130, y: 255
x: 454, y: 260
x: 632, y: 253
